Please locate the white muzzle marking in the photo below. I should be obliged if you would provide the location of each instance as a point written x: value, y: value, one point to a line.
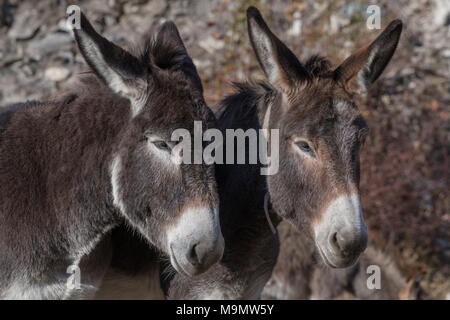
x: 343, y: 215
x: 197, y: 225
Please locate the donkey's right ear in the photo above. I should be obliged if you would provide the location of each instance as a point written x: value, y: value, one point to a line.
x: 281, y: 66
x: 120, y: 70
x: 360, y: 70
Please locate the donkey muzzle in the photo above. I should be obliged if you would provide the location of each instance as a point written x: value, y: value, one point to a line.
x: 342, y: 236
x: 196, y: 243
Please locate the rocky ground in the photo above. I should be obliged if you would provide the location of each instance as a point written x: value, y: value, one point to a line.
x: 405, y: 165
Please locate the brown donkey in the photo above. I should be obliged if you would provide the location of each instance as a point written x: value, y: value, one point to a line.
x: 317, y: 186
x: 100, y: 156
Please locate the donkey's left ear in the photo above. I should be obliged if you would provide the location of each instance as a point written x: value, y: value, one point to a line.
x: 366, y: 64
x: 169, y: 52
x: 120, y: 70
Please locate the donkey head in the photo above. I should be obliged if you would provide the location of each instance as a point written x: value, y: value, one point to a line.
x: 321, y: 131
x: 172, y: 204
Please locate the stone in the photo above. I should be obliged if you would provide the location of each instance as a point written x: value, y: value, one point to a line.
x: 50, y: 43
x: 211, y: 45
x: 57, y: 73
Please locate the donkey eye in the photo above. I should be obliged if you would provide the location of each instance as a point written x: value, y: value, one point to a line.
x: 162, y: 145
x: 305, y: 147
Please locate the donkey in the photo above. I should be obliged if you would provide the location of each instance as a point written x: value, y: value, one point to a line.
x: 100, y: 156
x: 299, y: 275
x: 316, y: 189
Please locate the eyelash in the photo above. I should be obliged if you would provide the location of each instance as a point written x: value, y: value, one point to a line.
x: 305, y: 147
x: 162, y: 145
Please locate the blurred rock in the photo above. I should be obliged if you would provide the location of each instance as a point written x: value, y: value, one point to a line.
x: 337, y: 22
x: 211, y: 44
x: 51, y: 43
x: 296, y: 27
x: 57, y: 73
x: 25, y: 26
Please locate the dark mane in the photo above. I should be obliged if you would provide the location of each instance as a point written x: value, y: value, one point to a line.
x: 318, y: 66
x: 242, y: 105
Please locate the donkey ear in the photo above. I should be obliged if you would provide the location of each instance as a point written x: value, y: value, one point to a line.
x: 116, y: 67
x: 169, y: 52
x: 366, y: 64
x: 281, y: 66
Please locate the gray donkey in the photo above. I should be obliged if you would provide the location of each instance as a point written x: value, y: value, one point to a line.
x: 316, y: 189
x: 101, y: 156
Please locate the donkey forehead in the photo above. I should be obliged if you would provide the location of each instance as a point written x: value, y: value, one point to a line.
x: 170, y: 104
x: 165, y: 116
x: 323, y: 117
x: 166, y: 121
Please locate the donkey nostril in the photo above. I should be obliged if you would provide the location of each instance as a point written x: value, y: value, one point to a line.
x: 343, y: 244
x: 198, y: 254
x: 347, y: 243
x: 192, y: 255
x: 201, y: 253
x: 334, y: 242
x: 339, y: 243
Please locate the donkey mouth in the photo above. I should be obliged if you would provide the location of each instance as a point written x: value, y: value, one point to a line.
x: 338, y: 261
x: 325, y: 258
x: 178, y: 267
